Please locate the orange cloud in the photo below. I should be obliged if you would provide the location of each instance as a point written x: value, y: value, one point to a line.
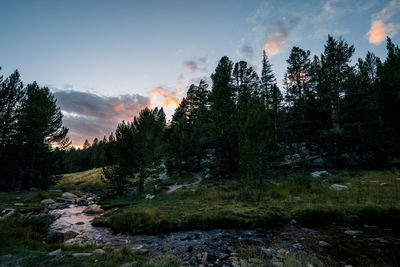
x: 274, y: 45
x: 379, y: 28
x: 166, y: 97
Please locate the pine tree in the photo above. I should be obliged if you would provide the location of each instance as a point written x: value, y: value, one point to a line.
x: 224, y: 120
x: 40, y: 126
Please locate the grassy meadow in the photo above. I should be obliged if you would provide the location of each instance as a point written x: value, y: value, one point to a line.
x: 372, y: 197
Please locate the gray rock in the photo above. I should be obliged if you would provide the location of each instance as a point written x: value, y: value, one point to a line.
x: 293, y: 222
x: 353, y: 232
x: 99, y: 251
x: 324, y: 244
x: 18, y: 204
x: 81, y: 254
x: 298, y: 246
x: 55, y: 190
x: 34, y: 189
x: 338, y: 187
x: 149, y: 196
x: 7, y: 213
x: 56, y: 253
x: 383, y: 184
x: 47, y: 201
x: 320, y: 174
x: 68, y: 195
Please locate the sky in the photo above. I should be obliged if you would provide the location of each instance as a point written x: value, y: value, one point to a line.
x: 107, y: 60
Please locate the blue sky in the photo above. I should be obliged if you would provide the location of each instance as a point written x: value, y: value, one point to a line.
x: 119, y: 56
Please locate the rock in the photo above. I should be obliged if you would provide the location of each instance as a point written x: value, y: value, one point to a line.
x: 149, y: 196
x: 133, y: 192
x: 293, y: 222
x: 137, y: 247
x: 324, y: 244
x: 81, y: 202
x: 222, y: 256
x: 277, y: 263
x: 70, y: 234
x: 93, y: 209
x: 10, y: 212
x: 255, y: 261
x: 353, y: 232
x: 34, y: 189
x: 269, y: 252
x: 320, y: 174
x: 381, y: 240
x: 47, y: 201
x: 68, y: 195
x: 204, y: 257
x: 55, y: 190
x: 383, y: 184
x: 18, y: 204
x: 338, y: 187
x: 18, y: 198
x: 98, y: 251
x: 56, y: 253
x: 81, y: 254
x: 282, y: 253
x: 298, y: 246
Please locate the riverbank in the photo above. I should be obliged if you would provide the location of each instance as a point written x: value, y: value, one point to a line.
x: 210, y: 223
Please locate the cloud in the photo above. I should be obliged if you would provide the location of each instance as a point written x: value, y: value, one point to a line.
x: 168, y: 97
x: 379, y: 26
x: 278, y: 35
x: 196, y: 64
x: 246, y: 50
x: 88, y: 115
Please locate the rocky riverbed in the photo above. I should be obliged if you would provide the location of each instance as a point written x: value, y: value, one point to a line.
x: 231, y: 247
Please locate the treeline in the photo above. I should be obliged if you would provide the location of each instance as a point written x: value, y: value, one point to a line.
x: 331, y: 113
x: 31, y: 123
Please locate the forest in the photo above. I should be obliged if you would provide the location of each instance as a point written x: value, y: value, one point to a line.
x: 329, y: 113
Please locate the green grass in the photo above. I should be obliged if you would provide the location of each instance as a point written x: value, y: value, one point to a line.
x: 86, y: 181
x: 227, y: 204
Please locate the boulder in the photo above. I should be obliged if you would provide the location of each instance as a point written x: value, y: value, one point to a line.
x: 293, y: 222
x: 93, y: 209
x: 56, y: 253
x: 47, y: 201
x: 68, y: 195
x: 338, y: 187
x: 18, y: 204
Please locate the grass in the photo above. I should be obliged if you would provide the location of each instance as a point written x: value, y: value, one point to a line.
x: 221, y: 204
x: 86, y: 181
x: 226, y: 204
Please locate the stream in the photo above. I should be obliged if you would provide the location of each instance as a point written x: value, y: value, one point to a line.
x: 238, y: 247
